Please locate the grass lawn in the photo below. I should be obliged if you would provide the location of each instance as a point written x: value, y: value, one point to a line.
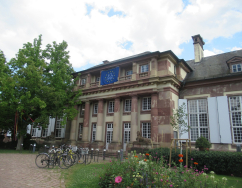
x: 84, y: 176
x: 232, y: 181
x: 17, y: 151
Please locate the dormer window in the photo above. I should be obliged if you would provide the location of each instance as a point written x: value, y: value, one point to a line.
x: 236, y: 68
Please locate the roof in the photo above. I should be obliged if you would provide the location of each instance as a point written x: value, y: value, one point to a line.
x: 134, y: 57
x: 212, y: 66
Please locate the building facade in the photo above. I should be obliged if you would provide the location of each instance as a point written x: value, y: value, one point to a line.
x: 140, y: 92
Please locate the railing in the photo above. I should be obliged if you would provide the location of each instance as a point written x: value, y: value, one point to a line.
x: 125, y: 78
x: 94, y: 84
x: 144, y: 74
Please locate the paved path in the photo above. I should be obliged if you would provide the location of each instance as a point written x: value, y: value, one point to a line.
x: 20, y: 171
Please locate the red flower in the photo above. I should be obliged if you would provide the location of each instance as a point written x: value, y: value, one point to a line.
x: 195, y: 163
x: 147, y: 154
x: 180, y: 160
x: 145, y: 160
x: 180, y: 155
x: 136, y: 156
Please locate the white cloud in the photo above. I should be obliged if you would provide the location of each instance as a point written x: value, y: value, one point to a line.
x: 236, y: 48
x: 213, y: 52
x: 149, y: 25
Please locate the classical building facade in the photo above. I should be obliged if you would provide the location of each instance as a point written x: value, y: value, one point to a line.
x: 140, y: 92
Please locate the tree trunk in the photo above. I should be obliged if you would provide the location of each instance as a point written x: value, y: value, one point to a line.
x: 20, y: 141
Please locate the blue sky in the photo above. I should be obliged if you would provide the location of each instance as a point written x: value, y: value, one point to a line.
x: 112, y: 29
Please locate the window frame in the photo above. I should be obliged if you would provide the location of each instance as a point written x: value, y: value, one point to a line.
x: 80, y: 135
x: 198, y: 119
x: 95, y: 108
x: 146, y: 134
x: 94, y: 130
x: 130, y: 105
x: 144, y: 70
x: 58, y: 128
x: 236, y: 67
x: 111, y: 107
x: 238, y: 113
x: 45, y: 132
x: 148, y: 108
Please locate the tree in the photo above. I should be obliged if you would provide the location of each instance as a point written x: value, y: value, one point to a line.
x: 178, y: 120
x: 42, y: 86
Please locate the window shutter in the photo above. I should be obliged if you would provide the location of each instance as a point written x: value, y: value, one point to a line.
x: 213, y: 120
x: 28, y: 129
x: 223, y: 116
x: 38, y: 132
x: 180, y: 102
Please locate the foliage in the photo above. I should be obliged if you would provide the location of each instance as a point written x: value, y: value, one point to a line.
x: 220, y: 162
x: 140, y: 170
x: 178, y: 120
x: 202, y: 142
x: 37, y: 84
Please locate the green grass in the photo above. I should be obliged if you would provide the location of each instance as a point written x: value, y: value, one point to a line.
x: 83, y: 176
x: 16, y: 151
x: 232, y: 181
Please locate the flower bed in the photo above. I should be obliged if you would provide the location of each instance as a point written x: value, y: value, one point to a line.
x: 141, y: 170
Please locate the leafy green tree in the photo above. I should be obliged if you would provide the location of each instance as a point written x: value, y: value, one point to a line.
x: 42, y: 85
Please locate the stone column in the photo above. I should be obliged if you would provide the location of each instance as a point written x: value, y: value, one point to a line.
x: 99, y: 121
x: 116, y: 120
x: 154, y: 67
x: 154, y: 117
x: 88, y: 81
x: 73, y: 130
x: 134, y: 118
x: 86, y: 122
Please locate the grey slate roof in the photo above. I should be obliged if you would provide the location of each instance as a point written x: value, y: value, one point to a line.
x: 212, y: 66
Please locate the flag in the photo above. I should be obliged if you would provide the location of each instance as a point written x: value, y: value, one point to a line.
x: 109, y: 76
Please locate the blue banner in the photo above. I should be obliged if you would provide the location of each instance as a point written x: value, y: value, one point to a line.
x: 109, y: 76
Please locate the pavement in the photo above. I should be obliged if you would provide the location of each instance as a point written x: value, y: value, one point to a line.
x: 20, y: 171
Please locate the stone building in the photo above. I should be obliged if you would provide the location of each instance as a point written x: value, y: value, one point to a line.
x: 140, y: 92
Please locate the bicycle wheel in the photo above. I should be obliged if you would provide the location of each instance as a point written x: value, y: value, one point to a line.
x: 64, y: 161
x: 42, y: 160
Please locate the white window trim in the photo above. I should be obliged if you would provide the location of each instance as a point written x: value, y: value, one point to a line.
x: 146, y: 134
x: 236, y: 67
x: 127, y: 105
x: 45, y: 132
x: 144, y: 68
x: 95, y: 108
x: 198, y: 127
x: 94, y: 131
x: 148, y: 104
x: 111, y: 107
x: 231, y: 118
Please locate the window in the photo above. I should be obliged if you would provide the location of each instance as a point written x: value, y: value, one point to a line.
x: 127, y: 105
x: 45, y: 132
x: 95, y: 108
x: 128, y: 74
x: 83, y: 81
x: 94, y: 129
x: 146, y: 103
x: 97, y: 79
x: 126, y: 132
x: 144, y: 68
x: 58, y: 128
x: 146, y: 131
x: 34, y: 132
x: 111, y: 107
x: 198, y: 118
x: 235, y: 104
x: 80, y: 131
x: 236, y: 68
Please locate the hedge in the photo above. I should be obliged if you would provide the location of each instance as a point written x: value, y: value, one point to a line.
x: 220, y: 162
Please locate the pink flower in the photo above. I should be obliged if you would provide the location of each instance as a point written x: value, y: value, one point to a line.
x: 161, y: 180
x: 118, y: 179
x: 156, y: 172
x: 171, y: 185
x: 191, y: 159
x: 185, y: 180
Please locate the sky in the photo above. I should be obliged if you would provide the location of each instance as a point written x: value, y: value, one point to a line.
x: 98, y: 30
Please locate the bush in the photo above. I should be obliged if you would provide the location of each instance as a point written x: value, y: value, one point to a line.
x: 202, y: 142
x: 139, y: 170
x: 221, y: 162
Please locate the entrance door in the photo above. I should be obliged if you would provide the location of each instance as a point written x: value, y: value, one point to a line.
x: 109, y: 137
x: 126, y: 135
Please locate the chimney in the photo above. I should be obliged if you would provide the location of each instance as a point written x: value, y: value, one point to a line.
x: 198, y: 47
